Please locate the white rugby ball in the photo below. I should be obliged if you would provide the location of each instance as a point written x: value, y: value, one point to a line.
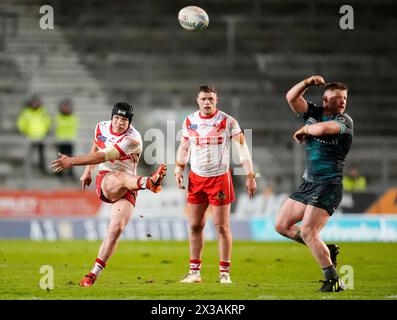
x: 193, y: 18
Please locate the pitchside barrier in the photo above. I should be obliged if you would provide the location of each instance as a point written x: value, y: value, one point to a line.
x: 340, y: 228
x: 67, y: 215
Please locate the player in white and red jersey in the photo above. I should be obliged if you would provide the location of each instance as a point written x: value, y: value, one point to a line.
x: 116, y: 149
x: 206, y: 137
x: 209, y: 138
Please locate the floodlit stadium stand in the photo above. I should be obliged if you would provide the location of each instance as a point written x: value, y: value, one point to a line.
x: 100, y: 53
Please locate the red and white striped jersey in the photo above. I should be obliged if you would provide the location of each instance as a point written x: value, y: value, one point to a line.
x: 129, y: 144
x: 210, y: 139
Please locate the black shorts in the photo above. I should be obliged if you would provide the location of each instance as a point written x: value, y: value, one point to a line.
x: 326, y: 196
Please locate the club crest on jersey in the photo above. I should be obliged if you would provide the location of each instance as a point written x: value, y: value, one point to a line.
x: 102, y: 138
x: 221, y: 196
x: 219, y: 126
x: 192, y: 126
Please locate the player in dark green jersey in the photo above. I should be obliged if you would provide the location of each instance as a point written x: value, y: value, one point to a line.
x: 327, y: 134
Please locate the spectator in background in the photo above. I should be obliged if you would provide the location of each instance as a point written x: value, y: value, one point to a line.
x: 66, y: 128
x: 354, y: 182
x: 34, y: 122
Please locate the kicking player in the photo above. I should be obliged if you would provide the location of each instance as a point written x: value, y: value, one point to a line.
x: 327, y: 134
x: 207, y: 134
x: 117, y: 148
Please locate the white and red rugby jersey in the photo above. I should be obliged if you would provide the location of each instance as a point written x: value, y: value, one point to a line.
x: 210, y: 139
x: 129, y: 144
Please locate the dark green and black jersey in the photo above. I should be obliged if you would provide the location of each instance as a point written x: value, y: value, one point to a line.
x: 325, y: 156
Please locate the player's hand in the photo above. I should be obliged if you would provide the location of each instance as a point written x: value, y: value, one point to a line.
x: 63, y: 162
x: 85, y: 179
x: 300, y: 135
x: 251, y: 186
x: 179, y: 181
x: 315, y: 81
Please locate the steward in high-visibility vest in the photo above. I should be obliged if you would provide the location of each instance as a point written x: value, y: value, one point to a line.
x: 354, y: 182
x: 66, y: 130
x: 66, y: 123
x: 34, y: 121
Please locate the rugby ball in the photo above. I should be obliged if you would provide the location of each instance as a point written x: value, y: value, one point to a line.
x: 193, y: 18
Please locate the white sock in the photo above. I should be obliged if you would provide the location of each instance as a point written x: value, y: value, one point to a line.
x: 98, y: 267
x: 142, y: 182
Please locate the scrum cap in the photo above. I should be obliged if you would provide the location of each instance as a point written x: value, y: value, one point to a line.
x: 123, y: 109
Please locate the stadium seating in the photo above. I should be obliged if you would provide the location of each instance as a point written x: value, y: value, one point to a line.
x: 136, y: 51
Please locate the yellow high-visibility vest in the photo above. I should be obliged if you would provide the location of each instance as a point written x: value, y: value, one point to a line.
x: 358, y: 184
x: 66, y: 126
x: 34, y: 123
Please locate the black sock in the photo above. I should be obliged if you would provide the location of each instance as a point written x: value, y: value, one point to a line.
x: 298, y: 237
x: 330, y: 273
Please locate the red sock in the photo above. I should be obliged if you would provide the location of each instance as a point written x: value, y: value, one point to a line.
x: 224, y: 266
x: 195, y: 265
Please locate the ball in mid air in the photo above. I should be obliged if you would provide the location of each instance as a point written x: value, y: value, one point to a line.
x: 193, y: 18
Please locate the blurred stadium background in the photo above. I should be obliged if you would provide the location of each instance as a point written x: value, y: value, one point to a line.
x: 101, y: 52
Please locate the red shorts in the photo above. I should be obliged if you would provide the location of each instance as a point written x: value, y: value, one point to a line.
x: 129, y: 195
x: 217, y: 191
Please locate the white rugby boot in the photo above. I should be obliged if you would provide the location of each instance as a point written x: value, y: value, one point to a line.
x: 192, y: 277
x: 224, y: 277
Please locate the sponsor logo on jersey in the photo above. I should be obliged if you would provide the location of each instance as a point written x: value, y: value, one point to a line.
x: 209, y: 140
x: 333, y: 142
x: 311, y: 120
x: 102, y: 138
x: 192, y: 126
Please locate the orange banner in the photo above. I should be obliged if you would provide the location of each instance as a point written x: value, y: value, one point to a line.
x: 52, y: 203
x: 386, y: 204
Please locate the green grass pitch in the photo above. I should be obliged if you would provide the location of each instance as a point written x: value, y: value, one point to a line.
x: 150, y: 270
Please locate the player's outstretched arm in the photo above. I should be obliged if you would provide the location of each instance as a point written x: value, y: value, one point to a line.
x: 65, y: 162
x: 92, y: 158
x: 246, y: 162
x: 317, y: 130
x: 294, y: 95
x: 182, y: 157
